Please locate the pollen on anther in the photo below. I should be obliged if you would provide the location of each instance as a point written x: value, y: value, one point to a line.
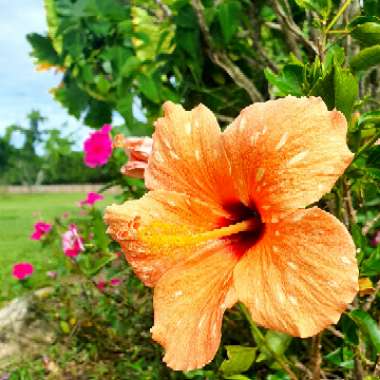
x: 275, y: 248
x: 197, y: 155
x: 277, y: 233
x: 178, y: 293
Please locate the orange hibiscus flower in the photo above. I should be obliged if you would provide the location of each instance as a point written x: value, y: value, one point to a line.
x: 225, y: 221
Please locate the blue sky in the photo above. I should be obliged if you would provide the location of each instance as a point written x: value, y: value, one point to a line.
x: 22, y: 88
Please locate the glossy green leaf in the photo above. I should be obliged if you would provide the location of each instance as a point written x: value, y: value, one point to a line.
x: 148, y: 87
x: 338, y: 88
x: 229, y: 17
x: 346, y: 88
x: 369, y: 117
x: 368, y: 326
x: 367, y: 34
x: 370, y: 266
x: 289, y: 82
x: 42, y: 49
x: 277, y: 342
x: 239, y: 359
x: 366, y: 58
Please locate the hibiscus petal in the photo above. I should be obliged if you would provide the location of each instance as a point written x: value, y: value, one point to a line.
x: 189, y: 303
x: 188, y: 155
x: 300, y: 277
x: 286, y: 153
x: 159, y: 213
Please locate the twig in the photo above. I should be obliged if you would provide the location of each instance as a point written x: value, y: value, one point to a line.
x: 165, y: 9
x: 224, y: 118
x: 369, y: 224
x: 221, y: 59
x: 372, y: 297
x: 370, y: 142
x: 254, y: 29
x: 290, y: 26
x: 335, y: 332
x: 316, y: 358
x: 257, y: 335
x: 338, y: 14
x: 358, y: 367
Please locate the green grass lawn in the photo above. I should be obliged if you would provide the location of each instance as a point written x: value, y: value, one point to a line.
x: 18, y: 213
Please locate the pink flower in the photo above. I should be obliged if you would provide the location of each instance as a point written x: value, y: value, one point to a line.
x: 115, y: 281
x: 91, y: 199
x: 21, y: 271
x: 98, y: 147
x: 101, y: 284
x: 40, y: 229
x: 72, y: 243
x: 51, y: 274
x: 376, y: 239
x: 138, y: 150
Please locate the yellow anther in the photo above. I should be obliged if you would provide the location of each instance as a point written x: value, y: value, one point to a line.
x: 159, y: 234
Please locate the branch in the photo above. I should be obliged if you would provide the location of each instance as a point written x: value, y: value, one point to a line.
x: 221, y: 59
x: 372, y: 297
x: 288, y: 25
x: 255, y: 35
x: 316, y: 358
x: 165, y: 9
x: 367, y: 227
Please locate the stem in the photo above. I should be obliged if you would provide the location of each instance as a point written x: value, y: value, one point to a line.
x: 260, y: 341
x: 371, y: 141
x: 339, y: 13
x: 316, y: 358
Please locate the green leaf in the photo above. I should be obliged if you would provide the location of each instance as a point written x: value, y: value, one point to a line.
x: 278, y: 343
x: 148, y: 86
x: 52, y: 23
x: 239, y: 359
x: 289, y: 82
x: 366, y: 58
x: 229, y: 16
x: 346, y: 88
x: 368, y: 326
x: 367, y: 34
x: 237, y: 377
x: 65, y: 327
x: 42, y: 49
x: 131, y: 64
x: 371, y: 265
x: 338, y: 88
x: 322, y: 7
x: 369, y: 117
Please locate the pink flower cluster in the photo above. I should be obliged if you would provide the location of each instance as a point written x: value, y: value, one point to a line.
x: 102, y: 284
x: 91, y: 199
x: 41, y: 228
x: 98, y: 147
x: 22, y: 271
x: 72, y: 243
